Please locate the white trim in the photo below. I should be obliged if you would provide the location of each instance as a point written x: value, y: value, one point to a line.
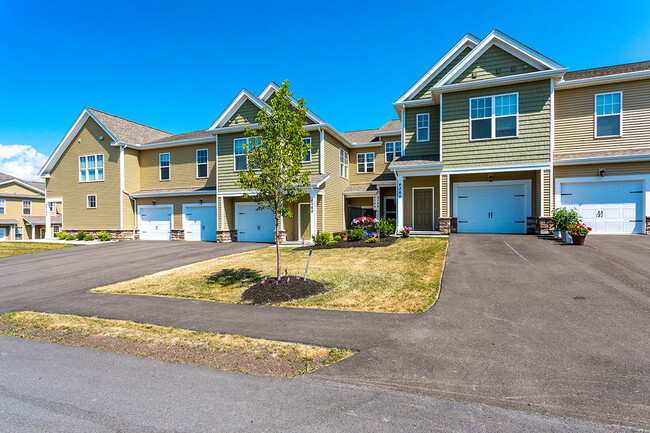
x: 360, y: 194
x: 387, y: 133
x: 440, y: 133
x: 207, y: 164
x: 21, y: 183
x: 313, y: 209
x: 384, y: 205
x: 526, y: 182
x: 500, y: 81
x: 433, y: 205
x: 236, y: 103
x: 321, y: 154
x: 365, y: 163
x: 300, y: 219
x: 148, y: 206
x: 166, y: 144
x: 552, y: 134
x: 88, y: 201
x: 33, y: 197
x: 216, y: 181
x: 95, y: 169
x: 121, y: 188
x: 184, y: 207
x: 160, y: 167
x: 419, y: 171
x: 449, y: 196
x: 603, y: 159
x: 620, y: 116
x: 497, y: 168
x: 417, y: 128
x: 22, y: 208
x: 303, y: 139
x: 171, y: 194
x: 468, y: 40
x: 343, y: 152
x: 234, y: 193
x: 399, y: 194
x: 322, y: 209
x: 607, y: 79
x: 383, y: 182
x: 493, y: 117
x: 364, y: 145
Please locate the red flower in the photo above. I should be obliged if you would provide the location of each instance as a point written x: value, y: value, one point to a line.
x: 589, y: 228
x: 569, y: 226
x: 575, y: 230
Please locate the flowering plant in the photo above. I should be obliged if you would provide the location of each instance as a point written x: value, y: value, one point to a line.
x: 578, y: 229
x: 406, y: 232
x: 366, y: 223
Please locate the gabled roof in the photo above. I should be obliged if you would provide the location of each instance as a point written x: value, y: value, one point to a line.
x: 506, y: 43
x: 365, y: 136
x: 194, y: 135
x: 243, y: 96
x: 468, y: 40
x: 38, y: 187
x: 273, y: 87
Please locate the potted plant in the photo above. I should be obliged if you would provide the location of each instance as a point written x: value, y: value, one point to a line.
x: 579, y: 233
x: 406, y: 232
x: 561, y: 220
x: 344, y: 236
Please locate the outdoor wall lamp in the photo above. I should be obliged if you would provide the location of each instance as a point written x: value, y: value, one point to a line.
x: 153, y: 202
x: 200, y: 201
x: 490, y: 178
x: 602, y: 172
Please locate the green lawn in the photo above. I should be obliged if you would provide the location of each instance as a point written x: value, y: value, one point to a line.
x: 403, y: 277
x: 17, y: 248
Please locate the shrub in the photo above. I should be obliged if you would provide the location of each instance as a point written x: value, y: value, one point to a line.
x: 81, y: 236
x: 356, y: 234
x: 70, y: 237
x: 323, y: 238
x: 61, y: 235
x: 330, y: 243
x: 103, y: 236
x: 89, y: 238
x: 337, y: 238
x: 386, y: 227
x: 372, y: 240
x: 562, y: 218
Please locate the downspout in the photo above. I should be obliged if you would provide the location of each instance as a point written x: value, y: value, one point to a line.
x: 135, y: 212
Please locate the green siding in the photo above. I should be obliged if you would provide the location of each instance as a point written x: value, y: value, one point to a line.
x: 431, y: 147
x: 245, y: 114
x: 494, y: 63
x: 531, y: 146
x: 426, y: 92
x: 227, y: 174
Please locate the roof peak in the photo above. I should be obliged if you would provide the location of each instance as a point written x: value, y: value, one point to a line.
x: 127, y: 120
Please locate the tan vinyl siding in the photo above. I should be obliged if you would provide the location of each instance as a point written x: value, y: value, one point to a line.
x: 182, y: 167
x: 494, y: 63
x: 547, y: 193
x: 426, y: 92
x: 574, y: 118
x: 414, y: 148
x: 420, y: 181
x: 14, y: 211
x: 14, y: 188
x: 380, y: 164
x: 178, y: 203
x: 245, y: 114
x: 334, y: 186
x: 593, y: 170
x: 531, y: 146
x: 64, y: 182
x: 444, y: 188
x: 131, y: 185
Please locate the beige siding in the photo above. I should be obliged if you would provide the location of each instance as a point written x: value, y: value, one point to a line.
x: 178, y: 203
x: 14, y: 211
x: 131, y: 184
x: 334, y: 186
x: 420, y: 181
x: 183, y: 167
x: 494, y: 63
x: 64, y: 182
x: 593, y: 170
x: 14, y: 188
x: 431, y: 147
x: 426, y: 92
x: 444, y: 188
x: 380, y: 161
x: 574, y: 118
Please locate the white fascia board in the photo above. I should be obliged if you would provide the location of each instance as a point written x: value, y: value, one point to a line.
x: 234, y: 106
x: 23, y: 184
x: 407, y: 168
x: 31, y: 197
x: 369, y: 144
x: 497, y: 168
x: 353, y: 194
x: 170, y: 143
x: 507, y: 44
x: 234, y: 193
x: 317, y: 185
x: 468, y: 40
x: 383, y: 182
x: 170, y: 194
x: 607, y: 79
x: 603, y: 159
x: 501, y: 81
x: 385, y: 133
x: 273, y: 87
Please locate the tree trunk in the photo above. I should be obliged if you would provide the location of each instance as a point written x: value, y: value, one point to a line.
x: 277, y: 245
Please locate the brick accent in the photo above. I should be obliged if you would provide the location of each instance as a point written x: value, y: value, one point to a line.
x: 448, y: 225
x: 226, y: 235
x: 178, y: 235
x: 539, y: 226
x: 115, y: 234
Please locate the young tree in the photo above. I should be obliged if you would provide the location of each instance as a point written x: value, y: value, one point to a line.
x: 275, y: 151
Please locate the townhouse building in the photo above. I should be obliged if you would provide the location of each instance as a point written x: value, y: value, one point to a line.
x: 492, y: 138
x: 22, y: 209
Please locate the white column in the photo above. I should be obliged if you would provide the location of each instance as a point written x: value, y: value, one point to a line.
x: 378, y: 208
x: 121, y: 187
x: 222, y: 211
x: 313, y: 212
x: 322, y: 209
x: 48, y: 221
x: 33, y: 232
x: 399, y: 193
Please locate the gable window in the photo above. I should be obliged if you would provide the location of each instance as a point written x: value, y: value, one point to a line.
x: 344, y: 161
x: 91, y: 168
x: 202, y: 163
x: 393, y: 150
x: 91, y: 201
x: 423, y: 127
x: 366, y: 162
x: 27, y: 207
x: 19, y: 233
x: 494, y: 116
x: 164, y: 166
x: 307, y: 140
x: 2, y: 206
x: 608, y: 114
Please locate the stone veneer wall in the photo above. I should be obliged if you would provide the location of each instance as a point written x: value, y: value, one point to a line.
x: 539, y: 226
x: 226, y: 235
x: 448, y: 225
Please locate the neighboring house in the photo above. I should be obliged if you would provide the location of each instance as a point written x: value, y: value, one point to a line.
x: 491, y: 139
x: 22, y: 209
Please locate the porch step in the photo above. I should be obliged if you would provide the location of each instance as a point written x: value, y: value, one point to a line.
x: 427, y: 233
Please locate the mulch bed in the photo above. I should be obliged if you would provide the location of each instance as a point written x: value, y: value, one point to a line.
x: 270, y: 293
x: 383, y: 242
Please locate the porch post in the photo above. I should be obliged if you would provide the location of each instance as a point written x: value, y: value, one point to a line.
x: 313, y: 212
x: 48, y: 221
x: 378, y: 207
x: 400, y: 201
x: 33, y: 231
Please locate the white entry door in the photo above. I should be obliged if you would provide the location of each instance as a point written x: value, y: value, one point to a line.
x: 200, y: 222
x: 156, y: 222
x: 606, y: 207
x: 3, y: 234
x: 492, y: 207
x: 253, y: 225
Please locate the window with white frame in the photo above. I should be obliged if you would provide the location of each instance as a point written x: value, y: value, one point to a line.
x: 393, y: 150
x: 91, y: 168
x: 2, y: 206
x: 494, y: 116
x: 307, y: 140
x: 241, y: 158
x: 202, y: 163
x: 609, y: 114
x: 27, y: 207
x: 164, y: 165
x: 344, y: 162
x: 19, y: 233
x: 366, y: 162
x: 91, y: 201
x: 422, y: 127
x: 56, y: 229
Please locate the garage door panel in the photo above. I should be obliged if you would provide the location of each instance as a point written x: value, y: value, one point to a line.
x: 254, y: 225
x: 155, y: 223
x: 200, y: 223
x: 492, y: 209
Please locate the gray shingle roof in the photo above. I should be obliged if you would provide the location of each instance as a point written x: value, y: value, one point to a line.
x: 315, y: 179
x: 8, y: 221
x: 384, y: 177
x: 391, y: 125
x: 360, y: 187
x: 202, y: 133
x: 607, y: 70
x: 40, y: 220
x: 583, y: 155
x: 128, y: 131
x: 368, y: 135
x: 410, y: 161
x: 40, y: 185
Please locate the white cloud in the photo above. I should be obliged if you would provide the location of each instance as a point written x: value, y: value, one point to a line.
x: 21, y: 160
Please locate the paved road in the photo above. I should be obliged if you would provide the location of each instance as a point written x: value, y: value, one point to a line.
x: 50, y: 387
x: 522, y: 323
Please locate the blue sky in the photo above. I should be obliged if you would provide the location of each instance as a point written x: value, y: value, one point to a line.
x: 176, y: 65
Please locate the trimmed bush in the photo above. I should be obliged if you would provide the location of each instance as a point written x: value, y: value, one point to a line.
x: 89, y: 238
x: 386, y: 227
x: 103, y: 236
x: 323, y: 238
x: 372, y: 240
x: 81, y: 236
x: 330, y: 243
x: 70, y: 237
x: 356, y: 234
x: 337, y: 238
x: 61, y: 235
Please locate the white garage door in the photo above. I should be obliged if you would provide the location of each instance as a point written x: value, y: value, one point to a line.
x: 200, y: 223
x: 491, y: 209
x: 606, y: 207
x: 156, y: 223
x: 253, y: 225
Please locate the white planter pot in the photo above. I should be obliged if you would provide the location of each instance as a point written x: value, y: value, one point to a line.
x: 557, y: 234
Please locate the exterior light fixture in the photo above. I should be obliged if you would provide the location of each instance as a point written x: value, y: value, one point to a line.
x: 490, y: 178
x: 602, y: 172
x: 153, y: 202
x: 201, y: 201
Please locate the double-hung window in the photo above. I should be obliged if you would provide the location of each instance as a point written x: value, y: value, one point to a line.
x: 422, y: 127
x: 241, y: 158
x: 494, y: 116
x: 609, y: 114
x: 366, y: 162
x: 91, y: 201
x: 19, y: 233
x: 307, y: 158
x: 91, y: 168
x: 164, y: 166
x: 202, y: 163
x: 2, y: 206
x: 393, y: 150
x: 344, y: 161
x: 27, y: 207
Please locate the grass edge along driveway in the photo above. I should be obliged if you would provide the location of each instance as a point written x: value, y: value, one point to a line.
x: 401, y: 278
x: 8, y: 249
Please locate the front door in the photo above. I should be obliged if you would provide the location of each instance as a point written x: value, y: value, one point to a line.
x: 423, y: 209
x: 42, y: 232
x: 305, y: 221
